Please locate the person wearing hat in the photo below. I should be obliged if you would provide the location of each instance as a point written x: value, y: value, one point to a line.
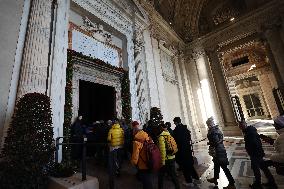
x: 254, y: 149
x: 218, y: 152
x: 278, y: 157
x: 168, y: 160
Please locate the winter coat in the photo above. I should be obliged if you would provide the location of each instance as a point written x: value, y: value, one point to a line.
x: 127, y: 136
x: 116, y: 136
x: 216, y: 145
x: 279, y: 148
x: 77, y: 133
x: 139, y: 155
x: 253, y: 143
x: 170, y: 131
x: 78, y: 129
x: 183, y: 139
x: 162, y: 147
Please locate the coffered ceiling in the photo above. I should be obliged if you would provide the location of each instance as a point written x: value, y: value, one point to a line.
x: 193, y: 18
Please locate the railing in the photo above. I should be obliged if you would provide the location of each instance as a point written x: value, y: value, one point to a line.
x: 84, y: 152
x: 58, y: 143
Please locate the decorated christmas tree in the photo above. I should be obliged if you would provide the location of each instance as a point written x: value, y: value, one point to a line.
x: 156, y: 116
x: 28, y: 147
x: 155, y: 122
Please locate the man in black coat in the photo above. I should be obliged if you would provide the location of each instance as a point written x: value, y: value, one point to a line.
x: 184, y: 156
x: 254, y: 149
x: 78, y: 131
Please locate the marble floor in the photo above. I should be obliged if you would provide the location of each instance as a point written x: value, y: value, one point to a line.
x: 239, y: 166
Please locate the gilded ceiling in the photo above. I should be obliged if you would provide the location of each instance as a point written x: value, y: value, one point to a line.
x: 194, y: 18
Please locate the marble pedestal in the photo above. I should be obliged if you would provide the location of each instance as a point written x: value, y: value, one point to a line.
x: 74, y: 182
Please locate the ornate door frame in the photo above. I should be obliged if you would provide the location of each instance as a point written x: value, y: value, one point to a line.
x: 89, y: 71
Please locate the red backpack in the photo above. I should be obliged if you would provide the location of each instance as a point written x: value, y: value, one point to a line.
x: 154, y: 159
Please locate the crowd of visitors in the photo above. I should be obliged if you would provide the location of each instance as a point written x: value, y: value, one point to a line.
x: 159, y: 148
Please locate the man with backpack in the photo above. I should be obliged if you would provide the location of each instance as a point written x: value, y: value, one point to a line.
x: 168, y: 148
x: 184, y: 155
x: 144, y: 156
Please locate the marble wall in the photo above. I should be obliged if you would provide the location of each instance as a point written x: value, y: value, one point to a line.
x: 13, y: 19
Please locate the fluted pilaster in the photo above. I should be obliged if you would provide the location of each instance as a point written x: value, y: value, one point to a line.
x: 35, y: 57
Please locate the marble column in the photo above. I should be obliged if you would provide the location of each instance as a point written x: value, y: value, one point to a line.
x: 266, y: 88
x: 230, y: 125
x: 159, y: 78
x: 197, y: 104
x: 150, y: 70
x: 186, y: 82
x: 36, y: 50
x: 178, y: 60
x: 277, y: 48
x: 207, y: 86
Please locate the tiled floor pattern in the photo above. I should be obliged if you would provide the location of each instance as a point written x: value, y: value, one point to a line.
x: 239, y: 166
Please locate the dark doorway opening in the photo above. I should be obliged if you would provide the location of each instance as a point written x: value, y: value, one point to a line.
x: 96, y: 102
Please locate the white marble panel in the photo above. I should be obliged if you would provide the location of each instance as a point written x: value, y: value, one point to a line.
x: 94, y: 48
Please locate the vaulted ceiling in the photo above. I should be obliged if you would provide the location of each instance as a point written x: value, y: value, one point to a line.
x: 194, y: 18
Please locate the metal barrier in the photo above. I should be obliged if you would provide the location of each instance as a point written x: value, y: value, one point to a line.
x: 58, y: 143
x: 84, y: 152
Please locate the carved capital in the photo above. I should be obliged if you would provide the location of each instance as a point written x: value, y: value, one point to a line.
x: 96, y: 30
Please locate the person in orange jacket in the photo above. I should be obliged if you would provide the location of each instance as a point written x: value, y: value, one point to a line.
x: 139, y: 158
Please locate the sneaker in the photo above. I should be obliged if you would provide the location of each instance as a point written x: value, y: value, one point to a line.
x: 213, y: 180
x: 230, y: 187
x: 270, y: 185
x: 196, y: 181
x: 255, y: 186
x: 189, y: 184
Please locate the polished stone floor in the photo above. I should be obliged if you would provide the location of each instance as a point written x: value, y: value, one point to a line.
x: 239, y: 166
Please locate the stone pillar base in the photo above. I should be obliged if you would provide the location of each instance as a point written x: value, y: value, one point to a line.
x: 232, y: 131
x: 74, y: 182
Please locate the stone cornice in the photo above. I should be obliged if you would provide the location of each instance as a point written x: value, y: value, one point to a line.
x: 129, y: 10
x: 100, y: 67
x: 160, y: 29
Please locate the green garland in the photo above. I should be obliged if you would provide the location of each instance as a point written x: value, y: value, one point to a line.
x: 68, y: 107
x: 126, y: 98
x: 125, y: 95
